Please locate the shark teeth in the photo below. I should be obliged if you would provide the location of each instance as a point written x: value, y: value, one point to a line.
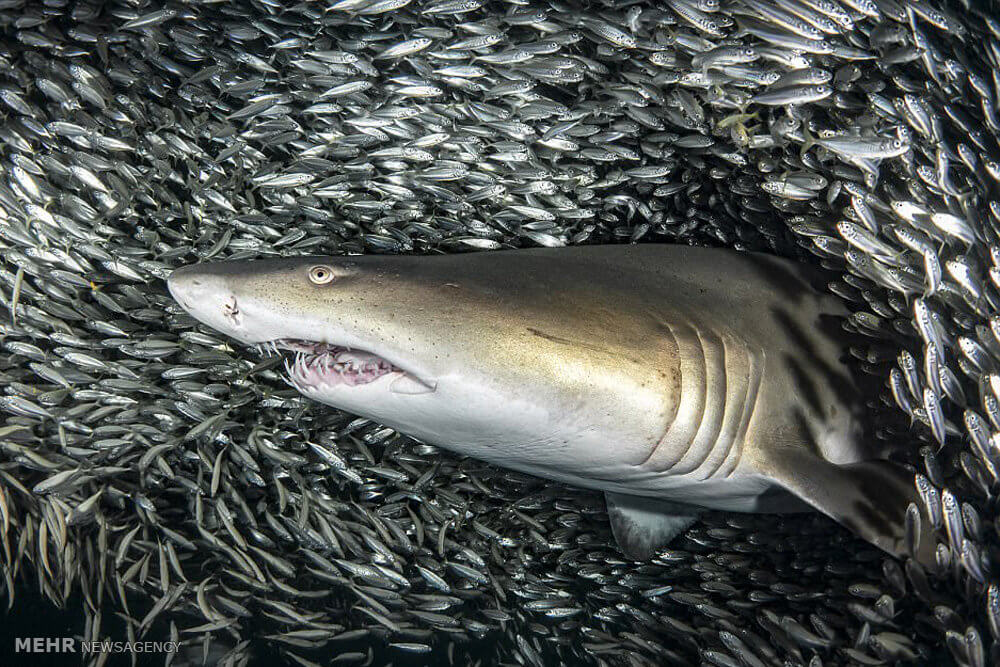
x: 319, y: 365
x: 268, y: 348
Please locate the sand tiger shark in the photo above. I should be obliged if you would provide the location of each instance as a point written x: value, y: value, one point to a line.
x: 674, y: 379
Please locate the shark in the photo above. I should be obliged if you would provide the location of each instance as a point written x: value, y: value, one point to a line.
x: 674, y: 379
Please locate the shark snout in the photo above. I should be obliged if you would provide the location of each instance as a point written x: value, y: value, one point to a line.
x: 206, y: 296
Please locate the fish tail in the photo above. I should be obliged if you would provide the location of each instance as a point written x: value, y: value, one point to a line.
x: 808, y: 141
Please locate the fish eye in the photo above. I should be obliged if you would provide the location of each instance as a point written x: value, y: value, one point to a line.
x: 320, y: 275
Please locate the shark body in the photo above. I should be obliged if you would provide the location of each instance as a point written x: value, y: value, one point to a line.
x: 673, y: 378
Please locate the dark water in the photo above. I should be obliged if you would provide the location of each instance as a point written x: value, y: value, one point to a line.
x: 35, y: 616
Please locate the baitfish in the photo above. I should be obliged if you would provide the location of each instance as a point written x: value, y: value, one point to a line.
x: 672, y: 378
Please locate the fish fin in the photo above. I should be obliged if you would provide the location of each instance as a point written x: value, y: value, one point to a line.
x: 642, y: 526
x: 869, y: 498
x: 807, y: 142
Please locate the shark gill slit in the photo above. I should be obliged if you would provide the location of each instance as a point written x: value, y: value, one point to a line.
x: 690, y: 404
x: 713, y: 411
x: 756, y: 378
x: 676, y: 390
x: 739, y: 384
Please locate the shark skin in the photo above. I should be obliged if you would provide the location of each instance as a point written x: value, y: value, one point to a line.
x: 674, y: 379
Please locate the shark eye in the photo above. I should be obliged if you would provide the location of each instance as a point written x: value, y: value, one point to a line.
x: 320, y: 275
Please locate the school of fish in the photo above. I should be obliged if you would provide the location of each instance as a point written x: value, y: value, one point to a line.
x: 161, y: 482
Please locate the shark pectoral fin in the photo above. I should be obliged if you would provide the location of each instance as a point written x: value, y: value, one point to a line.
x: 870, y: 498
x: 642, y: 526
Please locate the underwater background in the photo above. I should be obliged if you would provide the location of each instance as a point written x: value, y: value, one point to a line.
x: 160, y: 482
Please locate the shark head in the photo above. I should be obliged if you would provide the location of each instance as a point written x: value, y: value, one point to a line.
x: 329, y: 312
x: 504, y: 361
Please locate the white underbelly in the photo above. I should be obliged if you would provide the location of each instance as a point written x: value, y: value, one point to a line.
x: 736, y: 493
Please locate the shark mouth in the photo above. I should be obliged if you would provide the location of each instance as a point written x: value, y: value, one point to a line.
x: 322, y: 366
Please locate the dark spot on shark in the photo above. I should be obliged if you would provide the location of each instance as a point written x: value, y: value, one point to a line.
x: 806, y: 388
x: 778, y: 500
x: 802, y: 429
x: 566, y: 341
x: 785, y: 281
x: 877, y: 515
x: 837, y: 378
